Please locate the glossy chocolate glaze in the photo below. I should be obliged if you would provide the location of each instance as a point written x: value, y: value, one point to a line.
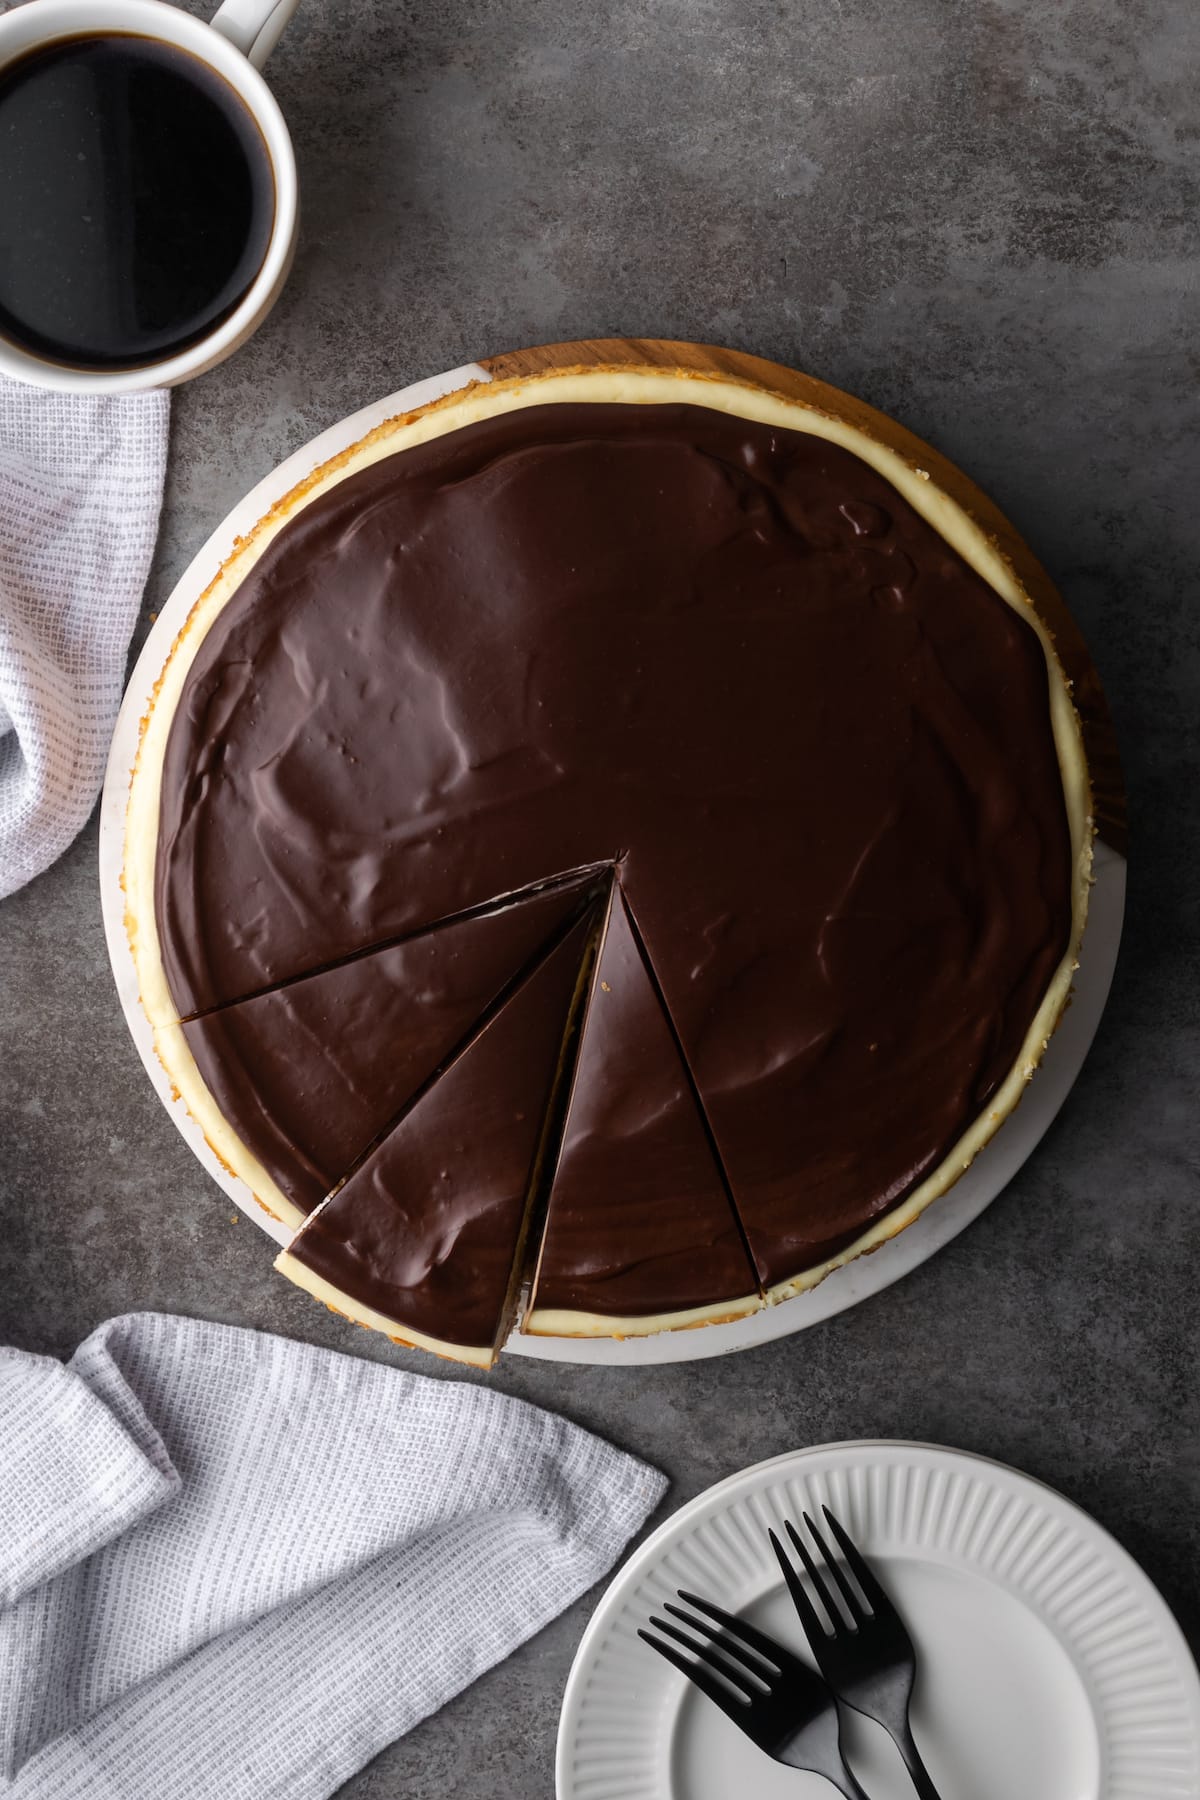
x: 426, y: 1231
x: 309, y: 1074
x: 729, y: 659
x: 639, y: 1220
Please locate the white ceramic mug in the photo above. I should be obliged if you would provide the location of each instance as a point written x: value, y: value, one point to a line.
x: 236, y: 43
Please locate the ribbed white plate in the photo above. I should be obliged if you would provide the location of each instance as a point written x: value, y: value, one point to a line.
x: 988, y: 1175
x: 1050, y: 1667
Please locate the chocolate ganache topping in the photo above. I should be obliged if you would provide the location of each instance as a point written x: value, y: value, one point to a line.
x: 426, y: 1231
x: 724, y: 661
x: 639, y: 1220
x: 317, y: 1070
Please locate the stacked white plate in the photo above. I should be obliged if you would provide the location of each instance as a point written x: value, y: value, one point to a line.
x: 1049, y: 1666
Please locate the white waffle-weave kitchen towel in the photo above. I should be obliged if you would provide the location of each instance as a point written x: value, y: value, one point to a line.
x: 236, y: 1567
x: 81, y: 481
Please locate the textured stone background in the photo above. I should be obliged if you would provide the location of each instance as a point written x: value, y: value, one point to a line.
x: 982, y: 217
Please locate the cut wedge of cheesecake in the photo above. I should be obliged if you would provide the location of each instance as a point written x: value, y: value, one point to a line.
x: 425, y: 1239
x: 640, y: 1234
x: 292, y: 1086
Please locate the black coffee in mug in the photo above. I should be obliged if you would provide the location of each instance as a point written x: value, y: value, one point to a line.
x: 136, y: 201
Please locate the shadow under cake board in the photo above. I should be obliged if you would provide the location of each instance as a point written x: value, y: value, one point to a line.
x: 1016, y: 1138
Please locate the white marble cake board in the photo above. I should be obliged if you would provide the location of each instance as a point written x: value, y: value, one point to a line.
x: 988, y: 1175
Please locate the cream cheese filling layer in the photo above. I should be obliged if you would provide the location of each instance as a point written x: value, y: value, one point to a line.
x: 171, y: 1048
x: 552, y: 1321
x: 480, y: 1355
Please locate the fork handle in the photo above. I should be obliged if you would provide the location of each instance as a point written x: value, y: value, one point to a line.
x: 921, y: 1778
x: 849, y: 1784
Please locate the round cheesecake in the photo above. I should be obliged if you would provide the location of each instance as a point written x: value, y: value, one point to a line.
x: 606, y: 850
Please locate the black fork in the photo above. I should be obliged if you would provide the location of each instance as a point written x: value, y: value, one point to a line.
x: 777, y: 1700
x: 869, y: 1662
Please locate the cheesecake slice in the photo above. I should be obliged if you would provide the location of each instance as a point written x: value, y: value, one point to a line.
x: 640, y: 1233
x: 295, y: 1084
x: 424, y: 1241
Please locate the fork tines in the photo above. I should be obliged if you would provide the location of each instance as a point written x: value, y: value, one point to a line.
x: 735, y: 1664
x: 873, y: 1600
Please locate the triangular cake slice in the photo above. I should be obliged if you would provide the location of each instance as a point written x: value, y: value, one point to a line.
x: 425, y: 1239
x: 640, y: 1233
x: 306, y: 1076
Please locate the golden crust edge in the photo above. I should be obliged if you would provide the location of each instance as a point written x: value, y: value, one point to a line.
x: 626, y: 384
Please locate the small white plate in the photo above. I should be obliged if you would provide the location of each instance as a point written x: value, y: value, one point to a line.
x: 1050, y: 1667
x: 990, y: 1172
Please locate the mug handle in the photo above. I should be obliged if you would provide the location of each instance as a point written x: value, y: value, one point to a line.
x: 254, y: 26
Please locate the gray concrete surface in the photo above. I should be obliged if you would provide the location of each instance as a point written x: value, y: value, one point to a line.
x: 982, y: 217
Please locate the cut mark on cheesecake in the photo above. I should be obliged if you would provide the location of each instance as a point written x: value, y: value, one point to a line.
x: 635, y: 1170
x: 304, y: 1077
x: 589, y: 877
x: 537, y: 1198
x: 694, y: 1086
x: 537, y: 1206
x: 575, y: 940
x: 527, y: 969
